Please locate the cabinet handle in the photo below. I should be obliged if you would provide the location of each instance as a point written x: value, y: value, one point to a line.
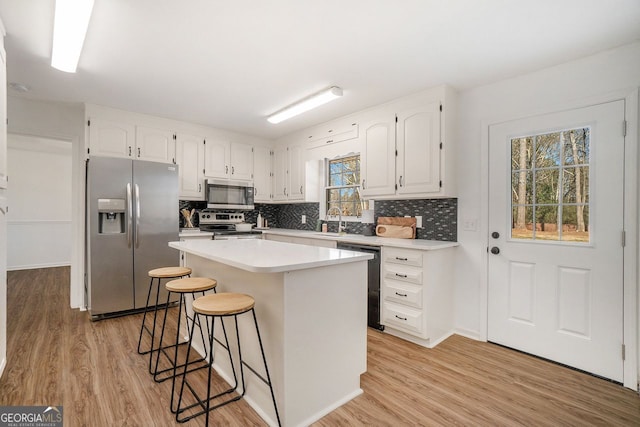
x: 363, y: 186
x: 233, y: 170
x: 301, y: 189
x: 401, y: 318
x: 255, y: 191
x: 401, y: 275
x: 199, y: 188
x: 402, y: 259
x: 129, y: 151
x: 226, y: 169
x: 285, y: 191
x: 138, y: 151
x: 400, y: 181
x: 401, y: 295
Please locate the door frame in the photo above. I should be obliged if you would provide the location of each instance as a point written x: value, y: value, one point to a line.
x: 631, y: 320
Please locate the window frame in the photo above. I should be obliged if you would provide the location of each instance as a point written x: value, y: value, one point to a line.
x: 325, y: 194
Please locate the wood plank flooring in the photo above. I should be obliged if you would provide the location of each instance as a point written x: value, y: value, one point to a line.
x: 58, y: 357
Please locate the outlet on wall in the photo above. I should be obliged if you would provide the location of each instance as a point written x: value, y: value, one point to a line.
x: 419, y: 221
x: 304, y: 219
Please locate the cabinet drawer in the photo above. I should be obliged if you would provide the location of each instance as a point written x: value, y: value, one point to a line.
x: 403, y: 294
x: 396, y: 272
x: 404, y: 257
x: 405, y: 318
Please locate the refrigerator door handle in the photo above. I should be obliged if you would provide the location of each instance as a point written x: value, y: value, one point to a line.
x: 129, y: 214
x: 137, y: 240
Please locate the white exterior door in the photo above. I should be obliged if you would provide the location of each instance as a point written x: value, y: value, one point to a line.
x: 555, y: 287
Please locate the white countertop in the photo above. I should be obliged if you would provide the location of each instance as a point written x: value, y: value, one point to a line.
x: 266, y: 256
x: 421, y: 244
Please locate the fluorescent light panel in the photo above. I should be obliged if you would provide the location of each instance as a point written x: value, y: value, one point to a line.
x: 69, y: 30
x: 306, y: 104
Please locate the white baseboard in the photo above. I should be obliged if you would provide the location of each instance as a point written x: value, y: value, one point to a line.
x: 3, y: 364
x: 35, y: 266
x: 474, y: 335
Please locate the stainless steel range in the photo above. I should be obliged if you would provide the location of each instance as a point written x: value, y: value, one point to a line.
x: 223, y: 225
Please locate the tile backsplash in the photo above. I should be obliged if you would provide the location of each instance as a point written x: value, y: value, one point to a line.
x: 439, y: 216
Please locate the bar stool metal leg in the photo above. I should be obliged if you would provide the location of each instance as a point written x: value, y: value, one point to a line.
x: 144, y: 318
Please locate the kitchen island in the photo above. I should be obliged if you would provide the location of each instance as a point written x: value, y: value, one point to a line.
x: 311, y: 305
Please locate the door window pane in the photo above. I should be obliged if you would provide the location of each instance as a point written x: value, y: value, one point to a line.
x: 550, y: 186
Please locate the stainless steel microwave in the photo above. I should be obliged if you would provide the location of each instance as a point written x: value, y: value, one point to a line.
x: 224, y: 194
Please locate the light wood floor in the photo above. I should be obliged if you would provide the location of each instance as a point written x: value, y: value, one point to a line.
x: 58, y: 357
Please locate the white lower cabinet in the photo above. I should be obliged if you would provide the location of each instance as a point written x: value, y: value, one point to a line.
x: 417, y: 294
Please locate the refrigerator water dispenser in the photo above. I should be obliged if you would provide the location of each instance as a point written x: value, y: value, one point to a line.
x: 111, y: 216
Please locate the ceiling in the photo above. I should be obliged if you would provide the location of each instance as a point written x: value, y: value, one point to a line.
x: 229, y: 64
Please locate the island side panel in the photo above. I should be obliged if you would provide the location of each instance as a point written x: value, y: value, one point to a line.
x: 267, y: 290
x: 325, y: 338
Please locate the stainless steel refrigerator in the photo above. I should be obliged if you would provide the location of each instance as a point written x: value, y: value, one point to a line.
x: 132, y: 213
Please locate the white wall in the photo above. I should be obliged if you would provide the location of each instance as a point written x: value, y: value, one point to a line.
x: 607, y: 75
x: 64, y: 122
x: 39, y: 221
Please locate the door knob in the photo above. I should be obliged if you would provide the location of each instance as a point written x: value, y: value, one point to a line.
x: 495, y: 250
x: 495, y: 234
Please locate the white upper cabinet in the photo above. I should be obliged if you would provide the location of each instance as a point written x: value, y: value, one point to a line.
x: 155, y: 145
x: 241, y: 161
x: 281, y: 173
x: 262, y: 175
x: 227, y: 160
x: 377, y: 158
x: 296, y: 173
x: 3, y: 119
x: 190, y: 159
x: 409, y: 153
x: 110, y: 138
x: 418, y: 145
x: 217, y: 159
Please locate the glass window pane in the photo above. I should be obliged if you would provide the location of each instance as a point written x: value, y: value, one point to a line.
x: 546, y: 187
x: 547, y: 150
x: 575, y: 223
x: 335, y: 167
x: 334, y: 195
x: 521, y: 220
x: 547, y: 222
x: 575, y: 184
x: 521, y: 149
x: 576, y: 146
x: 522, y: 187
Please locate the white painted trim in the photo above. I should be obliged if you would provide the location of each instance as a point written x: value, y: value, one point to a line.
x: 631, y: 261
x: 3, y: 364
x: 36, y: 266
x: 467, y: 333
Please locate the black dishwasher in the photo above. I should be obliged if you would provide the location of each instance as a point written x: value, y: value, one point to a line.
x: 373, y: 305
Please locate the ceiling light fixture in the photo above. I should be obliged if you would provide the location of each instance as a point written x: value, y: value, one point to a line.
x: 69, y: 30
x: 306, y: 104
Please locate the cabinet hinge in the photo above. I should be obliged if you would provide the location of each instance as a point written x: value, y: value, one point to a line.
x: 624, y: 238
x: 204, y: 141
x: 174, y: 137
x: 624, y: 352
x: 88, y: 122
x: 396, y: 186
x: 203, y: 172
x: 396, y: 153
x: 441, y: 145
x: 440, y: 107
x: 440, y: 184
x: 252, y: 149
x: 624, y: 128
x: 88, y: 150
x: 396, y: 119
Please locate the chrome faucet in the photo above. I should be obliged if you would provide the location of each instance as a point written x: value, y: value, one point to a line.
x: 341, y: 227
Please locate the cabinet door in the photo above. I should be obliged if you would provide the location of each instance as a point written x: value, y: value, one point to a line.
x: 280, y: 174
x: 3, y: 119
x: 111, y: 139
x: 217, y: 157
x: 296, y: 173
x: 419, y: 150
x: 190, y: 158
x: 241, y: 162
x: 155, y: 145
x: 262, y: 168
x: 377, y: 159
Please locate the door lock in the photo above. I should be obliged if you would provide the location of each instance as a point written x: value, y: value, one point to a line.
x: 495, y: 234
x: 495, y: 250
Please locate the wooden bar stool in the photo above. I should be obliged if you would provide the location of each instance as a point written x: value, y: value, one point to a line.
x: 156, y: 275
x: 182, y: 287
x: 219, y: 306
